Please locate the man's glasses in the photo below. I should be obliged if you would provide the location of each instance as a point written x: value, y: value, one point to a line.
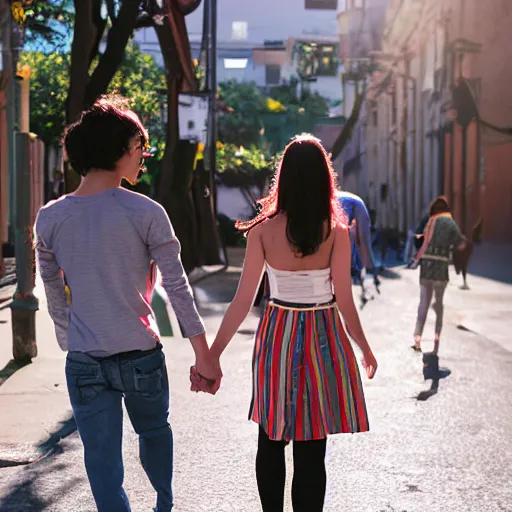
x: 142, y: 147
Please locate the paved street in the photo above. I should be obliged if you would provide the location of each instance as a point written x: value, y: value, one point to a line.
x: 449, y: 453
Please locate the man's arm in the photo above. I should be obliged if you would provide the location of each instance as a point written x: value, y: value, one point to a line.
x: 54, y: 287
x: 164, y: 249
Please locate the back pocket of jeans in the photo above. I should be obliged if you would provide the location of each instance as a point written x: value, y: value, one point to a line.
x: 148, y: 374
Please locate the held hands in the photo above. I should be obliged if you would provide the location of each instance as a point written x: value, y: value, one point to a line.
x: 206, y: 374
x: 370, y: 364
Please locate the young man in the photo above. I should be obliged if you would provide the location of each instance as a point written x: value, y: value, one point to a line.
x: 96, y: 250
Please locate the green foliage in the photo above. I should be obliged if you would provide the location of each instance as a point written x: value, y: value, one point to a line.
x: 243, y: 167
x: 249, y: 117
x: 250, y: 160
x: 139, y: 78
x: 241, y: 124
x: 49, y: 83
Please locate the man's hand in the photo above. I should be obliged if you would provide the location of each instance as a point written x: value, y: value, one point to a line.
x: 207, y: 373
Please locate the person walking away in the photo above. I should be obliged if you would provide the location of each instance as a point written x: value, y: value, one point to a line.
x: 306, y: 382
x: 441, y: 236
x: 97, y: 249
x: 360, y: 235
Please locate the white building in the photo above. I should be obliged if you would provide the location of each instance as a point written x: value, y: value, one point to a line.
x: 258, y: 41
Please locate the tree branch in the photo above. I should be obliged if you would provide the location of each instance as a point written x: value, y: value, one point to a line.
x: 81, y: 48
x: 173, y: 77
x: 118, y: 37
x: 100, y: 25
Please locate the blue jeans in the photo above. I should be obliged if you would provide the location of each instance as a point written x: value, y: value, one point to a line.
x: 96, y: 387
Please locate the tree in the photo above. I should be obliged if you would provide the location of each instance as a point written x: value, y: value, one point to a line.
x: 91, y: 72
x: 249, y: 117
x: 138, y: 78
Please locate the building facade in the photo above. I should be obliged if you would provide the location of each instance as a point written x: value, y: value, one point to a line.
x: 439, y: 115
x: 261, y: 42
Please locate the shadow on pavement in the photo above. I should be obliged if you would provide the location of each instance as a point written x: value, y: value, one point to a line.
x: 65, y: 428
x: 432, y: 371
x: 25, y: 496
x: 387, y: 273
x: 10, y: 369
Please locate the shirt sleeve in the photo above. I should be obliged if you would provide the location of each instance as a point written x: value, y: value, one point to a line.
x: 164, y: 249
x: 363, y: 225
x: 54, y: 287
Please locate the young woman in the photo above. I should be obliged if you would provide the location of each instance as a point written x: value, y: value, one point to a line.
x: 306, y: 382
x: 441, y: 236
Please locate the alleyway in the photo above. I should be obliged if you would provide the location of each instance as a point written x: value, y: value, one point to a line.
x: 449, y: 453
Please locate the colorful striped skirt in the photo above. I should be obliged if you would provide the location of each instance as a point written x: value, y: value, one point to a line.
x: 306, y: 381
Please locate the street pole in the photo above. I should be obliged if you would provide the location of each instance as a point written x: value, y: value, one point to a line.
x: 212, y: 88
x: 24, y: 304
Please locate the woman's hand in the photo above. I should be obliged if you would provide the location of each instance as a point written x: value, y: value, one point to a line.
x: 370, y: 364
x: 206, y: 374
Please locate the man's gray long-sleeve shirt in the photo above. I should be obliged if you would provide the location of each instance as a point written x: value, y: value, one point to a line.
x: 102, y: 246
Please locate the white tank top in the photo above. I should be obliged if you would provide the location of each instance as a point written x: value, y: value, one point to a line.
x: 300, y: 286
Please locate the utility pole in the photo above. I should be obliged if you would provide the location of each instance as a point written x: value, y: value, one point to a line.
x: 24, y: 304
x: 212, y: 89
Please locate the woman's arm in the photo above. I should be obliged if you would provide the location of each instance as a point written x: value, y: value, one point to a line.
x: 247, y: 289
x: 342, y: 281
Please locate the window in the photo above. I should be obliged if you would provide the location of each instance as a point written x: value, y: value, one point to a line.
x: 272, y: 74
x: 315, y: 59
x: 239, y: 30
x: 330, y: 5
x: 235, y: 63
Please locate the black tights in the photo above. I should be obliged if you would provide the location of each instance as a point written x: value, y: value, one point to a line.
x: 309, y: 478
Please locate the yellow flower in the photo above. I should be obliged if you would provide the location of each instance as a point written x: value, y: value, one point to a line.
x: 275, y: 106
x: 18, y: 13
x: 23, y: 71
x: 200, y: 148
x: 219, y: 144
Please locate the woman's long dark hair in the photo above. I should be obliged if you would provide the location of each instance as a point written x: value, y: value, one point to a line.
x: 304, y: 189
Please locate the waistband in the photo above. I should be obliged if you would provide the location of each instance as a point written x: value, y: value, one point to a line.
x: 301, y: 307
x: 434, y: 257
x: 125, y: 356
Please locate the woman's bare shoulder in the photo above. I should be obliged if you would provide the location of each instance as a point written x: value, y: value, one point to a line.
x: 340, y: 231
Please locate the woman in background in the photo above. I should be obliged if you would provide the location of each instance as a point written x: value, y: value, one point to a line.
x: 441, y: 236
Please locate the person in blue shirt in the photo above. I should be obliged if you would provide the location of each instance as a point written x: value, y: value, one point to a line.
x: 359, y: 220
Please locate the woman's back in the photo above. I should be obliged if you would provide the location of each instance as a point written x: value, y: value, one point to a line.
x: 280, y: 255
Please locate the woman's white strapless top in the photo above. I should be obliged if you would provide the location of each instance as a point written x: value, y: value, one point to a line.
x: 300, y: 286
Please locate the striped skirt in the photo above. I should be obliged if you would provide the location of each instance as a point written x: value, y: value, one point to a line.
x: 306, y: 381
